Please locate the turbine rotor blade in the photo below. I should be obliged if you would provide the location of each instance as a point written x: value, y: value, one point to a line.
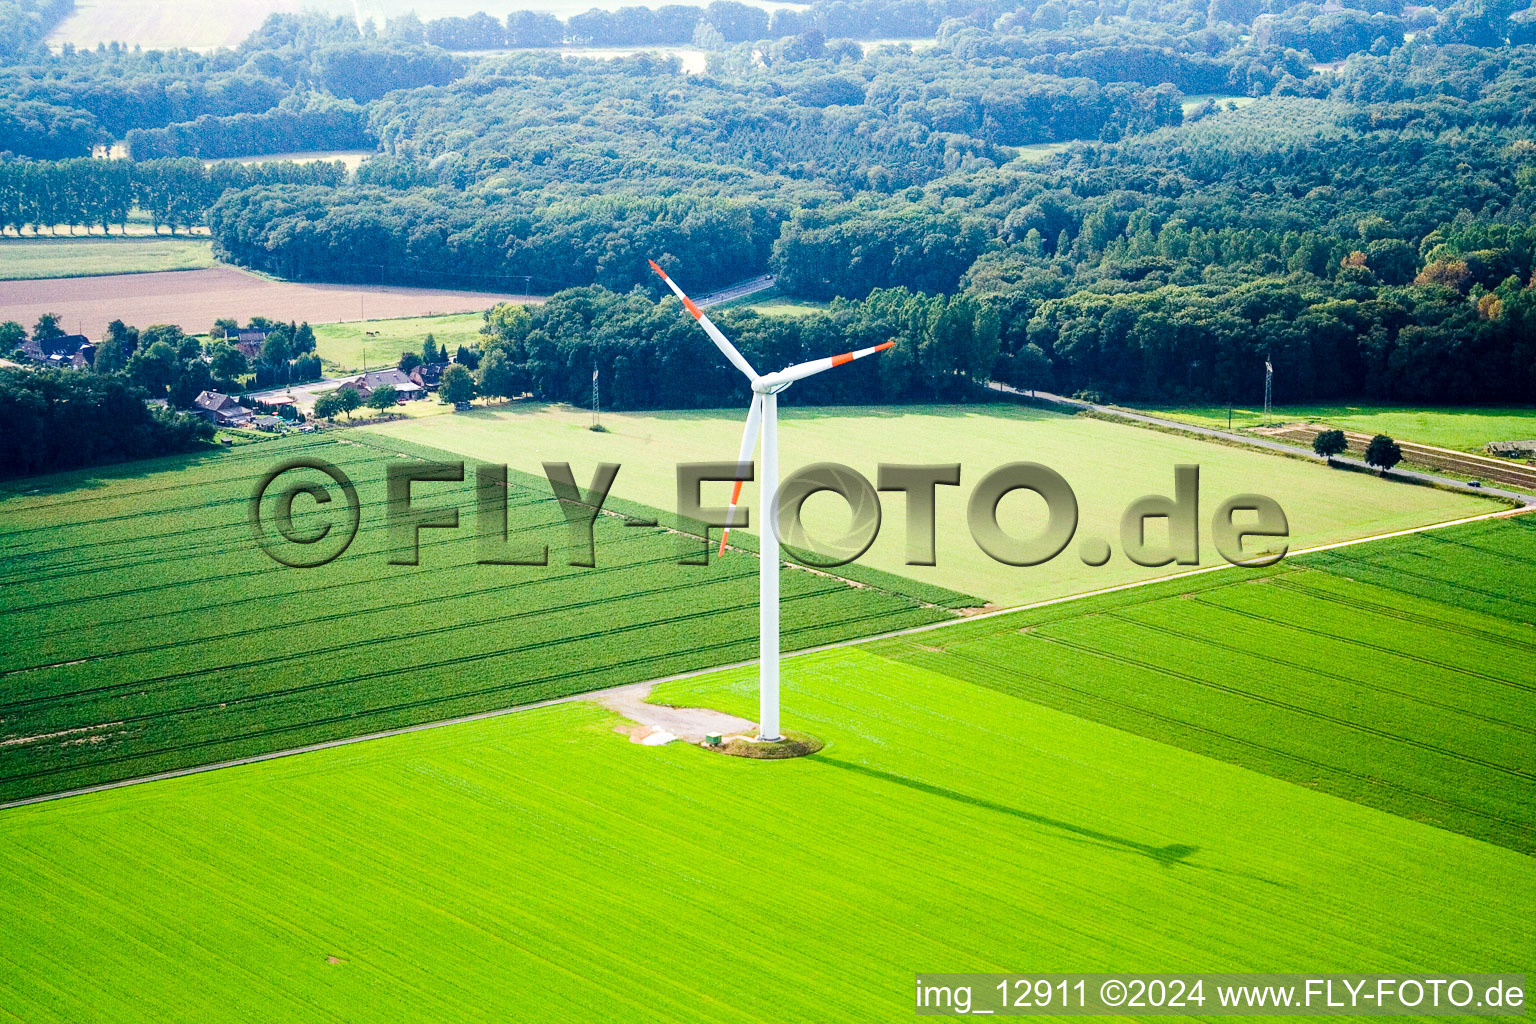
x: 807, y: 369
x: 748, y: 443
x: 721, y: 341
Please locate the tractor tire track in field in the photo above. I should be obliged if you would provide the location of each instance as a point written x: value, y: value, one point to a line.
x: 354, y: 645
x: 120, y: 497
x: 513, y: 687
x: 554, y: 574
x: 1096, y: 697
x: 1298, y: 709
x: 1398, y: 570
x: 1387, y: 611
x: 273, y: 568
x: 1322, y: 673
x: 384, y: 709
x: 81, y: 567
x: 1379, y: 648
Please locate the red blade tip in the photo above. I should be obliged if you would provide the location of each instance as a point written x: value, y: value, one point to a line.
x: 659, y: 272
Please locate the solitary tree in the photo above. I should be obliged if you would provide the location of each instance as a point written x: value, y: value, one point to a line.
x: 349, y: 399
x: 1383, y: 453
x: 456, y: 385
x: 1329, y: 443
x: 327, y: 406
x: 383, y: 397
x: 409, y: 361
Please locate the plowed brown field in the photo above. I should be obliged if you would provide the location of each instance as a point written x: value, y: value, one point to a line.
x: 193, y: 299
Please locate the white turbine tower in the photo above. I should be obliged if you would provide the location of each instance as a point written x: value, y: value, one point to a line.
x: 763, y: 414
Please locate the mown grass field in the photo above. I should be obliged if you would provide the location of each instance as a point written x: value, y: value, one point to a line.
x: 24, y: 259
x: 1195, y: 101
x: 1396, y: 673
x: 1108, y: 465
x: 145, y: 631
x: 541, y: 867
x: 376, y: 344
x: 1462, y: 428
x: 352, y: 158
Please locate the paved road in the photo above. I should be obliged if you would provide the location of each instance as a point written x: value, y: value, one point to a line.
x: 1453, y: 483
x: 737, y: 291
x: 304, y: 395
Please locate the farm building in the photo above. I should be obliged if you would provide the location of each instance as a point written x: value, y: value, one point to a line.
x: 221, y: 410
x: 429, y: 375
x: 1512, y: 449
x: 65, y: 350
x: 249, y: 342
x: 268, y: 423
x: 408, y: 389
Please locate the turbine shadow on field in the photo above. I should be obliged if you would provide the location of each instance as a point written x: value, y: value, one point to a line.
x: 1168, y: 856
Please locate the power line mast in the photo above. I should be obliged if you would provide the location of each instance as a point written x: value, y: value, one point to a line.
x: 1269, y: 376
x: 595, y: 406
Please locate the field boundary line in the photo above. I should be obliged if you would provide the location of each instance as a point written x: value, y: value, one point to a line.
x: 593, y: 695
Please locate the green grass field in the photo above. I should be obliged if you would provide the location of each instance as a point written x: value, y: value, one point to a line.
x: 145, y: 630
x: 352, y: 158
x: 786, y: 307
x: 1195, y: 101
x: 1109, y: 465
x: 542, y: 867
x: 1039, y: 152
x: 1396, y: 673
x: 346, y: 347
x: 23, y: 259
x: 1465, y: 429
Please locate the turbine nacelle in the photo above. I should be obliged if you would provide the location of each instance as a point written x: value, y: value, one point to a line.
x: 773, y: 383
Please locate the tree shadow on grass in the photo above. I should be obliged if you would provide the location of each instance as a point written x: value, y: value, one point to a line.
x: 1173, y: 855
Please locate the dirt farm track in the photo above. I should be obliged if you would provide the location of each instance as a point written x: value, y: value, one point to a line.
x: 194, y: 299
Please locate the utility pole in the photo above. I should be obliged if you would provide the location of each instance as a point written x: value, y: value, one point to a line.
x: 527, y: 286
x: 1269, y: 376
x: 1229, y: 414
x: 595, y: 406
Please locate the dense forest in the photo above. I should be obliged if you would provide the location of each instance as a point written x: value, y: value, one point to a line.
x: 55, y: 419
x: 1144, y: 199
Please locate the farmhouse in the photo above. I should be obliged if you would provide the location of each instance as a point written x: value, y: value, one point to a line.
x: 429, y: 375
x: 249, y: 342
x: 221, y: 410
x: 408, y: 389
x: 65, y: 350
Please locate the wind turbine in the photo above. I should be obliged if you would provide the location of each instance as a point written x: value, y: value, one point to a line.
x: 763, y: 415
